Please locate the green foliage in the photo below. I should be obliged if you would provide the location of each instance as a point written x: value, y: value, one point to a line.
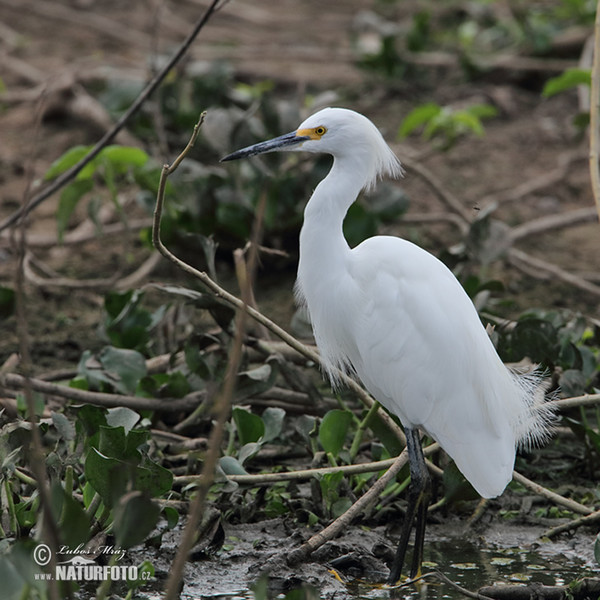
x: 567, y: 80
x: 334, y: 430
x: 448, y: 123
x: 113, y: 166
x: 127, y: 324
x: 554, y: 338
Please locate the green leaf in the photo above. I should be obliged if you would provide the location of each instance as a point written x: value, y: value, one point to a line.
x: 569, y: 79
x: 106, y: 475
x: 171, y: 516
x: 124, y: 157
x: 7, y: 302
x: 250, y: 427
x: 71, y: 517
x: 419, y: 116
x: 456, y: 487
x: 121, y: 416
x: 126, y: 366
x: 145, y: 572
x: 136, y: 515
x: 113, y: 442
x: 68, y: 201
x: 66, y: 161
x: 153, y: 479
x: 273, y: 419
x: 248, y: 451
x: 232, y: 466
x: 333, y: 430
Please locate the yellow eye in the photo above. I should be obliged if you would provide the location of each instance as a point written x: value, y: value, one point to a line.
x: 320, y: 130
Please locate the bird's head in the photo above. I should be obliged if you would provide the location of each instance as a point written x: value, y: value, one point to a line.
x: 340, y: 132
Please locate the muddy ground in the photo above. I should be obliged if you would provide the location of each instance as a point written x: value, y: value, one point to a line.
x: 532, y: 162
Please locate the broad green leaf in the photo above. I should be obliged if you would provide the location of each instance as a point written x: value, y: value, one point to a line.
x: 121, y: 416
x: 68, y: 201
x: 152, y: 479
x: 127, y: 367
x: 333, y: 430
x: 124, y: 157
x: 569, y: 79
x: 112, y: 443
x: 273, y: 419
x: 66, y: 161
x: 417, y: 117
x: 106, y: 475
x: 136, y: 515
x: 232, y: 466
x: 250, y: 427
x: 171, y: 516
x: 248, y: 451
x: 466, y: 121
x: 71, y: 517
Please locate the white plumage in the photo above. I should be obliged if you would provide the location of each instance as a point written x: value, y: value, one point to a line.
x: 396, y: 316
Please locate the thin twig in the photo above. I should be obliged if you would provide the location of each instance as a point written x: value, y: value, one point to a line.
x: 223, y: 401
x: 34, y: 448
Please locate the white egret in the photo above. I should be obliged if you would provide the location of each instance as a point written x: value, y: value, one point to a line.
x: 394, y: 315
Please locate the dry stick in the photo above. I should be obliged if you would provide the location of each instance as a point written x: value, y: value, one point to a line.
x: 300, y: 475
x: 551, y: 222
x: 585, y: 400
x: 14, y: 381
x: 594, y: 108
x: 536, y: 266
x: 332, y: 530
x: 70, y: 174
x: 550, y: 495
x: 593, y: 517
x: 442, y: 193
x: 223, y: 401
x: 37, y: 456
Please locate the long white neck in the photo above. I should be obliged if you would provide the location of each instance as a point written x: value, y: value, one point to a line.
x: 323, y: 248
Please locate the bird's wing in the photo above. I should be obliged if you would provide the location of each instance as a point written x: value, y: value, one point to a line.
x: 424, y: 354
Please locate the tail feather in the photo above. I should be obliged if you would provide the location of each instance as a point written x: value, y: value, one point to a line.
x: 533, y: 427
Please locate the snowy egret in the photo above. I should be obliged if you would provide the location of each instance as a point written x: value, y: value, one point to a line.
x: 395, y: 316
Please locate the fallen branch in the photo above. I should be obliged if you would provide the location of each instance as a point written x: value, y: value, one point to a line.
x: 585, y: 589
x: 550, y: 495
x: 589, y: 519
x: 537, y: 267
x: 343, y: 521
x: 14, y: 381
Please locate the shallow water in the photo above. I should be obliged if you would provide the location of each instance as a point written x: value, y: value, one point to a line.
x: 505, y: 553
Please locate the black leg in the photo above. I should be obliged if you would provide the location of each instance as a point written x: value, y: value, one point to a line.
x: 419, y: 493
